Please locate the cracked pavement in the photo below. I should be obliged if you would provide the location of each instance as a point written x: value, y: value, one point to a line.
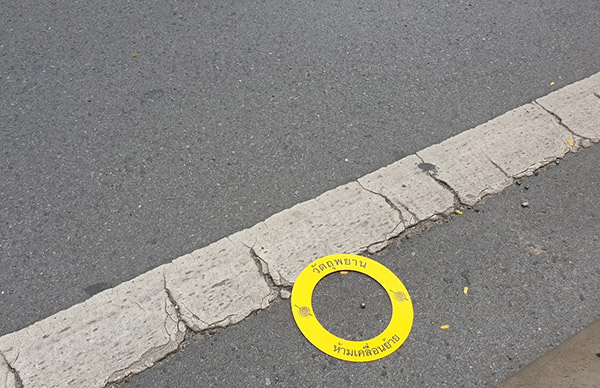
x: 224, y: 282
x: 103, y: 150
x: 532, y: 275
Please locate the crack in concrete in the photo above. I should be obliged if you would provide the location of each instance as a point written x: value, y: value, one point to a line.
x: 171, y: 298
x: 179, y: 305
x: 11, y: 369
x: 285, y: 283
x: 387, y: 200
x: 139, y: 305
x: 154, y: 354
x: 598, y: 96
x: 498, y: 167
x: 263, y: 269
x: 381, y: 244
x: 457, y: 202
x: 560, y: 122
x: 412, y: 214
x: 208, y: 325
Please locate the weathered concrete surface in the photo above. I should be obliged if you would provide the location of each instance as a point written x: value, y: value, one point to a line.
x: 410, y: 189
x: 7, y: 378
x: 461, y: 164
x: 578, y: 106
x: 524, y: 139
x: 119, y: 331
x: 484, y: 160
x: 346, y: 219
x: 574, y: 364
x: 217, y: 285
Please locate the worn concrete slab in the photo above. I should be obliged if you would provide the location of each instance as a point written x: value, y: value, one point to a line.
x: 524, y: 139
x: 577, y: 106
x: 410, y: 189
x: 346, y: 219
x: 484, y: 160
x: 460, y: 163
x: 575, y: 363
x: 217, y: 285
x: 7, y: 378
x: 119, y: 331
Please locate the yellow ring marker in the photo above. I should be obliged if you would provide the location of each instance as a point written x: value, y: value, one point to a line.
x: 357, y: 351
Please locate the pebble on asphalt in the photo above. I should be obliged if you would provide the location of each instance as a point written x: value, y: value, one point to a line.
x: 524, y: 203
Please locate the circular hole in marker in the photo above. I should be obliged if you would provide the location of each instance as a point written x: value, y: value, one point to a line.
x: 338, y: 302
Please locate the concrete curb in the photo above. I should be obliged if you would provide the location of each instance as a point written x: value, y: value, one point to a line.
x: 127, y: 328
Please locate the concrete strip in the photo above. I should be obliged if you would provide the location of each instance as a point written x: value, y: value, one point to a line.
x: 7, y: 378
x: 525, y: 139
x: 121, y: 330
x: 578, y: 106
x: 217, y: 285
x: 484, y: 160
x: 575, y: 363
x: 462, y: 165
x: 410, y: 189
x: 126, y: 329
x: 346, y: 219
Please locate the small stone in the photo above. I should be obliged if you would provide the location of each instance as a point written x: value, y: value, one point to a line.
x: 524, y: 203
x: 477, y: 210
x: 526, y: 187
x: 362, y: 305
x: 535, y: 173
x: 285, y: 294
x: 557, y: 161
x: 518, y: 183
x: 267, y: 381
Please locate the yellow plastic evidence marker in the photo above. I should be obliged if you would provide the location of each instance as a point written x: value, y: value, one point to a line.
x: 356, y: 351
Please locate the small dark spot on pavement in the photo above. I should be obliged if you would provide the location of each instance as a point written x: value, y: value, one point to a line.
x: 152, y: 95
x: 427, y: 166
x: 598, y: 354
x: 96, y: 288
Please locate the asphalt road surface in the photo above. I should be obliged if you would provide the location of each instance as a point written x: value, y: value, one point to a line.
x: 134, y: 132
x: 532, y: 274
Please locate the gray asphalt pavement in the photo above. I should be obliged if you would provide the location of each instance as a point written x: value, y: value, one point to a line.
x: 532, y: 275
x: 231, y: 111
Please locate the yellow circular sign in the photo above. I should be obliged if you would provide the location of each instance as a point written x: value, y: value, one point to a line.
x: 357, y: 351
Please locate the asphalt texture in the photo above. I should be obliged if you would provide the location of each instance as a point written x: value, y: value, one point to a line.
x: 135, y: 132
x: 532, y: 274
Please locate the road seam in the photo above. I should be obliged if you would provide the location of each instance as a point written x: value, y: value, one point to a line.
x: 126, y: 329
